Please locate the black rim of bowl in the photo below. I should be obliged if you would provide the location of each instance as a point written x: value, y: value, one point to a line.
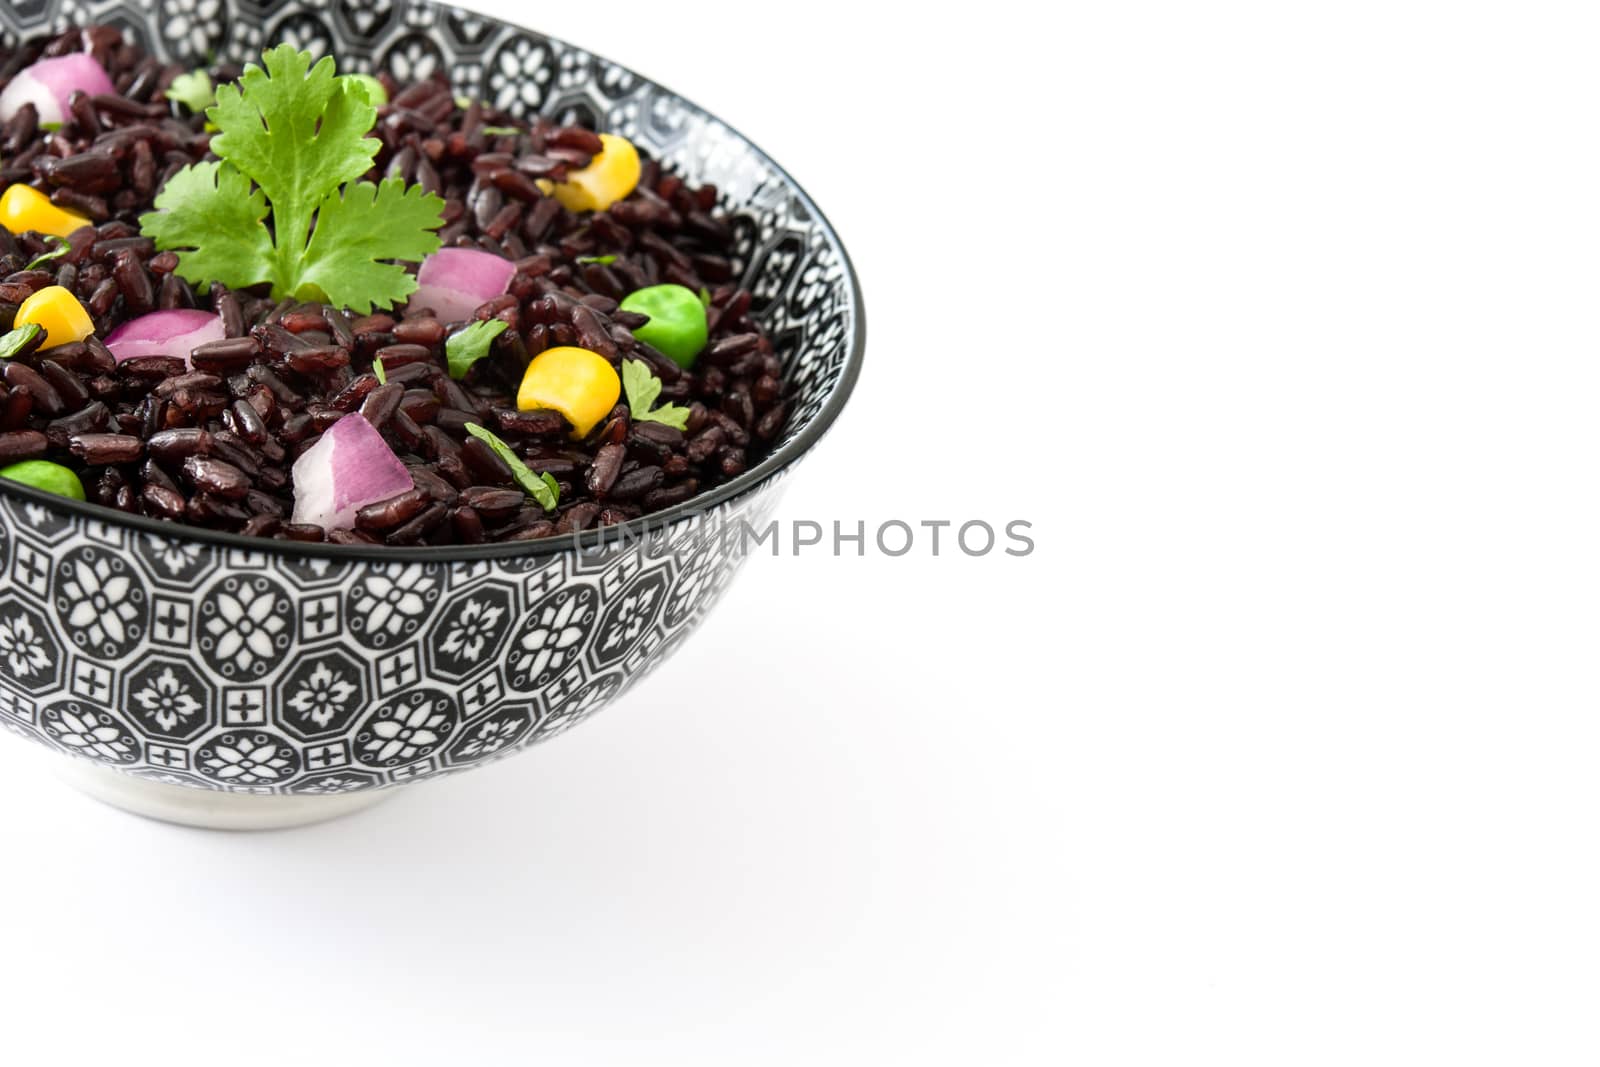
x: 634, y: 529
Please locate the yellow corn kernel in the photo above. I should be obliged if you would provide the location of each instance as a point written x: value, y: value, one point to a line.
x: 609, y: 177
x: 25, y: 208
x: 574, y: 381
x: 59, y: 312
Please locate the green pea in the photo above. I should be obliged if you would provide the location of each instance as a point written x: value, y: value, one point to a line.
x: 677, y: 326
x: 375, y: 91
x: 51, y: 477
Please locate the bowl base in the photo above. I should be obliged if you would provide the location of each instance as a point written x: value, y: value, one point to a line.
x: 207, y: 809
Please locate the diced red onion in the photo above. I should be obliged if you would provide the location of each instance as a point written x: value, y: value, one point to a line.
x: 165, y: 333
x: 49, y: 83
x: 455, y: 282
x: 349, y: 468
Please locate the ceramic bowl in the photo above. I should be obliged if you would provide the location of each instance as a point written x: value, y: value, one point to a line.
x: 216, y: 680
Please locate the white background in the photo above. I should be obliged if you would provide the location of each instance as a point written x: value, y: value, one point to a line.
x: 1277, y: 321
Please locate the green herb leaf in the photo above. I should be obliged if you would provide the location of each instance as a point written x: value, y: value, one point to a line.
x: 543, y: 488
x: 465, y: 348
x: 293, y: 141
x: 500, y: 131
x: 295, y: 129
x: 199, y: 206
x: 705, y: 297
x: 642, y: 387
x: 193, y: 90
x: 379, y: 373
x: 377, y: 95
x: 19, y: 339
x: 607, y: 260
x: 61, y: 249
x: 356, y: 233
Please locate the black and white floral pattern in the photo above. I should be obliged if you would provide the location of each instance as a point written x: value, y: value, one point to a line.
x: 321, y: 696
x: 194, y: 26
x: 520, y: 73
x: 493, y: 735
x: 24, y: 649
x: 247, y: 758
x: 83, y: 729
x: 412, y: 58
x: 471, y: 632
x: 407, y: 729
x: 553, y: 635
x: 212, y: 666
x: 168, y: 699
x: 101, y: 606
x: 391, y: 603
x: 245, y: 626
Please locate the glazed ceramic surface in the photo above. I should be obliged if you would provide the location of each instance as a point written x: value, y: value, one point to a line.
x: 209, y: 661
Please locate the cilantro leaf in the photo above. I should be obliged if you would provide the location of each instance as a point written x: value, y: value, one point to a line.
x: 466, y: 347
x: 500, y: 131
x: 193, y: 90
x: 544, y: 489
x: 379, y: 373
x: 603, y: 260
x: 377, y: 95
x: 294, y: 129
x: 61, y: 248
x: 355, y: 232
x: 642, y: 388
x: 552, y: 494
x: 292, y: 141
x: 705, y: 297
x: 15, y: 341
x: 201, y: 204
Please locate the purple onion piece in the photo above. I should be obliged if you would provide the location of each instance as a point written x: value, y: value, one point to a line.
x: 48, y: 84
x: 165, y: 333
x: 455, y: 282
x: 349, y: 468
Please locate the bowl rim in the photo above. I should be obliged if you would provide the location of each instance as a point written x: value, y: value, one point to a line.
x: 594, y: 538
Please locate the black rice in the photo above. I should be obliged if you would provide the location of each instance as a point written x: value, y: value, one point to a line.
x: 213, y: 444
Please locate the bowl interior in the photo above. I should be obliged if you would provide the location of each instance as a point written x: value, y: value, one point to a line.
x: 804, y: 291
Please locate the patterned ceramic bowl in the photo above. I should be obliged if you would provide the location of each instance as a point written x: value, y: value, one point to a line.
x: 243, y: 683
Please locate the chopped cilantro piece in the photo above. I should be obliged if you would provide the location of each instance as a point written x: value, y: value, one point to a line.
x: 466, y: 347
x: 377, y: 95
x: 193, y: 90
x: 17, y: 340
x: 642, y: 388
x: 542, y: 487
x: 61, y: 248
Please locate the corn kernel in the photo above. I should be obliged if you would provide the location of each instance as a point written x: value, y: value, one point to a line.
x: 25, y: 208
x: 574, y: 381
x: 56, y: 310
x: 609, y: 177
